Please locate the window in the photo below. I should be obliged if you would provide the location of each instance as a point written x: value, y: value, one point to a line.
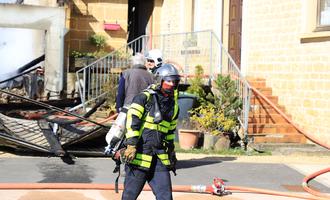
x: 323, y: 15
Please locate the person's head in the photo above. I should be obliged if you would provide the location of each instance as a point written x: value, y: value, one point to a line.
x: 168, y: 77
x: 138, y: 59
x: 154, y: 58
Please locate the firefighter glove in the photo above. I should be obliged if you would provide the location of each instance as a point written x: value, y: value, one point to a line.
x: 129, y: 153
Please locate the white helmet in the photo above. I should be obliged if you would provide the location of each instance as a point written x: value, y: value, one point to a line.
x: 156, y: 56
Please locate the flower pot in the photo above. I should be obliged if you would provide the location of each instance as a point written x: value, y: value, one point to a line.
x: 188, y: 138
x: 209, y: 141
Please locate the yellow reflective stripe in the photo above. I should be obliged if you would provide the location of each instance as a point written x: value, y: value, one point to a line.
x: 173, y: 125
x: 170, y: 137
x: 144, y: 157
x: 149, y: 119
x: 174, y: 122
x: 142, y: 160
x: 166, y: 162
x: 165, y: 123
x: 147, y: 94
x: 141, y: 163
x: 130, y: 133
x: 164, y: 159
x: 137, y: 113
x: 155, y: 127
x: 162, y: 156
x: 137, y: 107
x: 176, y: 105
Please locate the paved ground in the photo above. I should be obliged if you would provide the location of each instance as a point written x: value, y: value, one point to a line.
x: 280, y: 173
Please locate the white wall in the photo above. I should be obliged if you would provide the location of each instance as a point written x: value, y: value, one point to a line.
x: 41, y: 18
x: 18, y: 47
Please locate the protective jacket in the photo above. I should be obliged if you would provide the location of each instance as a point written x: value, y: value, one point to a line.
x: 151, y: 137
x: 131, y: 83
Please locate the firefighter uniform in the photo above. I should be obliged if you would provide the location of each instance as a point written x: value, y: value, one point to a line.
x: 154, y: 143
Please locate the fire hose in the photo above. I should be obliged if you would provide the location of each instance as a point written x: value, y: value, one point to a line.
x: 312, y: 176
x: 217, y: 188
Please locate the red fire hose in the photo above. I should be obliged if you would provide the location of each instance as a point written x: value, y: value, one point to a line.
x: 312, y: 176
x: 217, y: 188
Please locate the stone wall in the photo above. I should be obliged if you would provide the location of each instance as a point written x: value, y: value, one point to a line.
x: 294, y: 60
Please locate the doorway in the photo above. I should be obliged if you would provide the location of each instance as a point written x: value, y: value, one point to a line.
x: 139, y: 13
x: 235, y: 30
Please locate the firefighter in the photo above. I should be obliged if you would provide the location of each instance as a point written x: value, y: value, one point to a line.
x: 151, y: 122
x: 154, y: 60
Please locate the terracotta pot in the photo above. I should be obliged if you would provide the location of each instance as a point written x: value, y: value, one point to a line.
x: 188, y: 138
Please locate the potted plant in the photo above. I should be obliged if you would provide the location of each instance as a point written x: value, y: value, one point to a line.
x: 79, y: 59
x: 188, y: 133
x: 99, y: 41
x: 217, y: 116
x: 212, y: 121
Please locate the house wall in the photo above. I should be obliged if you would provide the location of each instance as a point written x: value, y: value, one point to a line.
x: 87, y: 18
x: 279, y: 45
x: 178, y: 16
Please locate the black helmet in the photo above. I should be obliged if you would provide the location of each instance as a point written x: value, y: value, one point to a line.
x: 167, y: 72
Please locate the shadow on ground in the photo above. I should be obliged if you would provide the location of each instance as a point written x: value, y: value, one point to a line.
x: 182, y: 164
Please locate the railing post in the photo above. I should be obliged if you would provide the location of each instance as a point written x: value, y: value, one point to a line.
x: 247, y: 110
x: 211, y: 52
x: 185, y: 60
x: 83, y: 90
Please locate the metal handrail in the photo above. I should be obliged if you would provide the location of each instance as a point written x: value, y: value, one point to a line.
x: 187, y: 49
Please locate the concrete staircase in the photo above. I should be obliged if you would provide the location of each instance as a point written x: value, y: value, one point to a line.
x: 265, y: 124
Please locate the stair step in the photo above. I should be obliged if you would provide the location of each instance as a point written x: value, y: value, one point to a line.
x: 266, y: 91
x: 259, y: 101
x: 273, y: 115
x: 280, y: 138
x: 266, y: 118
x: 270, y: 111
x: 272, y: 128
x: 265, y: 107
x: 258, y: 83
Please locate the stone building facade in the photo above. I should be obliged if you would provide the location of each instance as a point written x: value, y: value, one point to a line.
x: 280, y: 43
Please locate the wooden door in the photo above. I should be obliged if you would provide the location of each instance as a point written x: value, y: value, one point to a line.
x: 235, y: 30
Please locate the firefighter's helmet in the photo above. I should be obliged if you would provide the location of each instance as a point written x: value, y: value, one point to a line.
x: 167, y: 72
x: 156, y: 56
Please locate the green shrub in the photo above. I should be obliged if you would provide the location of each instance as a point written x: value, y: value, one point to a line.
x: 196, y: 84
x: 98, y: 40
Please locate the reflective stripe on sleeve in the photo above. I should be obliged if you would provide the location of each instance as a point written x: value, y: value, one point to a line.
x: 170, y: 137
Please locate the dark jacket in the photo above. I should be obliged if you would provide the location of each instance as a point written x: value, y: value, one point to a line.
x: 131, y: 83
x: 150, y: 137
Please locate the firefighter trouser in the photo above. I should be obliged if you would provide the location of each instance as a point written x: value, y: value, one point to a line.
x: 158, y: 178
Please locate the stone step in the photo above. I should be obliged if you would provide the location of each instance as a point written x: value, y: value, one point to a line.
x: 266, y: 118
x: 271, y: 128
x: 257, y: 83
x: 266, y: 107
x: 292, y: 148
x: 280, y: 138
x: 258, y: 100
x: 265, y: 91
